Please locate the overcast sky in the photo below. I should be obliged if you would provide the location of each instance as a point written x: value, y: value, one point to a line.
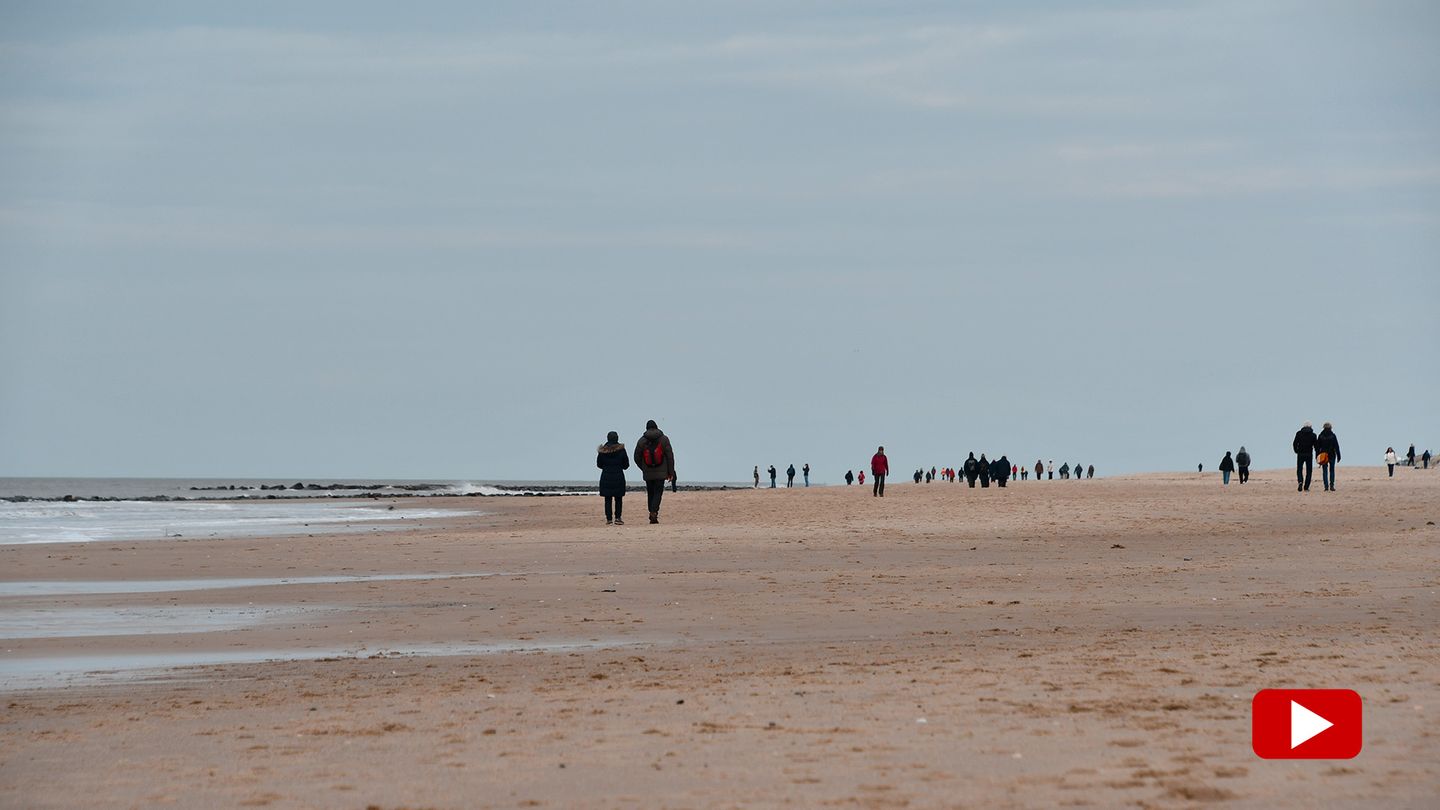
x: 463, y: 240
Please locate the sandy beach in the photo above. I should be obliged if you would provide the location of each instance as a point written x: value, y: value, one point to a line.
x: 1051, y: 644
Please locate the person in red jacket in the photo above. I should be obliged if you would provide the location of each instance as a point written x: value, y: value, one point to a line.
x: 879, y: 468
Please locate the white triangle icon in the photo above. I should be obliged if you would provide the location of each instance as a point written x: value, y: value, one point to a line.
x: 1305, y: 724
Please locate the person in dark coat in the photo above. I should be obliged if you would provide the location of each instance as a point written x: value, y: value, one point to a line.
x: 1002, y: 470
x: 1090, y: 471
x: 1410, y: 456
x: 983, y: 467
x: 849, y: 477
x: 1425, y: 459
x: 655, y: 445
x: 1242, y: 464
x: 1039, y: 469
x: 790, y: 477
x: 1076, y: 470
x: 972, y: 469
x: 613, y: 462
x: 1064, y: 471
x: 772, y: 476
x: 1227, y: 466
x: 1304, y: 447
x: 757, y: 477
x: 805, y: 471
x: 1329, y: 445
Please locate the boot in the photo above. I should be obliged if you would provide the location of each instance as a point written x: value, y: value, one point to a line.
x: 654, y: 517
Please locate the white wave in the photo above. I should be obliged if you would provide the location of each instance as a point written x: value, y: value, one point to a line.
x: 467, y: 488
x: 138, y: 520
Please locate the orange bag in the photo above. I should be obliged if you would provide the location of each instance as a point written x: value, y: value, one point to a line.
x: 1323, y: 457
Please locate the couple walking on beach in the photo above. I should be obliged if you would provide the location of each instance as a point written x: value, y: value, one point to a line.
x: 1324, y: 449
x: 654, y: 457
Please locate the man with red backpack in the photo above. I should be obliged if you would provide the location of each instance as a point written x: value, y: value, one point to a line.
x: 879, y: 468
x: 657, y: 465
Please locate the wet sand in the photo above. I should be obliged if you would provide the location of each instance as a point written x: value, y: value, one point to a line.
x: 1056, y: 643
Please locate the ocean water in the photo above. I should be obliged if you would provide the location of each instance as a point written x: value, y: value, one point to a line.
x: 269, y: 488
x: 96, y: 521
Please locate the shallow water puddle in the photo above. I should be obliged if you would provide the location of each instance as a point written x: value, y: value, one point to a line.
x: 80, y: 588
x: 33, y: 672
x: 69, y: 622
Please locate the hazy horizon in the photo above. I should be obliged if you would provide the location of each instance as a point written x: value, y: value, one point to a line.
x: 462, y: 242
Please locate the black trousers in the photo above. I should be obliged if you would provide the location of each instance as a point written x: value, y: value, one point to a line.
x: 878, y: 488
x: 619, y: 504
x: 654, y: 490
x: 1304, y: 466
x: 1244, y: 474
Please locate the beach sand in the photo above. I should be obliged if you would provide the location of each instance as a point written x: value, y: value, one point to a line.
x: 1055, y: 643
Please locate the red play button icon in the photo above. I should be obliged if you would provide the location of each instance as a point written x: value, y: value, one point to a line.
x: 1305, y: 724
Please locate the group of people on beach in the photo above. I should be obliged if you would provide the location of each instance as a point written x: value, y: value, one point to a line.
x: 980, y: 470
x: 789, y: 475
x: 653, y: 455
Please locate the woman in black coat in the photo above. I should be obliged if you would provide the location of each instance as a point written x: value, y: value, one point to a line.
x: 1227, y: 466
x: 613, y: 461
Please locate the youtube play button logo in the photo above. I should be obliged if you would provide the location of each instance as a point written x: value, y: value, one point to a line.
x: 1305, y: 724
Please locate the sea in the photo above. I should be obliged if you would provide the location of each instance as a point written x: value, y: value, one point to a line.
x: 87, y: 510
x: 84, y: 510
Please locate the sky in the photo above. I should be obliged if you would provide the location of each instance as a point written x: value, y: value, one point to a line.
x: 462, y: 241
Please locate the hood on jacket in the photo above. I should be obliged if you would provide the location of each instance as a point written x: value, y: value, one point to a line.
x: 653, y: 434
x: 611, y: 447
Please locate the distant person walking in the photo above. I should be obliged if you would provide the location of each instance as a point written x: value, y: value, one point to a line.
x: 1050, y: 469
x: 862, y: 478
x: 849, y: 478
x: 1304, y: 447
x: 1076, y: 470
x: 1242, y: 464
x: 757, y: 476
x: 1327, y: 452
x: 1090, y: 472
x: 1002, y: 470
x: 879, y: 467
x: 613, y: 461
x: 984, y: 468
x: 1024, y: 473
x: 1227, y: 466
x: 972, y: 469
x: 1039, y: 469
x: 790, y: 476
x: 806, y: 471
x: 656, y: 460
x: 771, y: 470
x: 1410, y: 456
x: 1425, y: 458
x: 1391, y: 460
x: 1064, y: 471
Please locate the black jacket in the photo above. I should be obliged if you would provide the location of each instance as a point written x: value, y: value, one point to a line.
x: 613, y: 461
x: 1304, y: 444
x: 1002, y: 468
x: 1242, y: 459
x: 972, y: 467
x: 1326, y: 442
x: 1227, y: 464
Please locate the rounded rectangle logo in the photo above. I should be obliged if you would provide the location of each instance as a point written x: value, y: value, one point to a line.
x: 1306, y: 724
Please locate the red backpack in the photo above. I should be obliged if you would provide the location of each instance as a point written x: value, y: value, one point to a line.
x: 653, y: 455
